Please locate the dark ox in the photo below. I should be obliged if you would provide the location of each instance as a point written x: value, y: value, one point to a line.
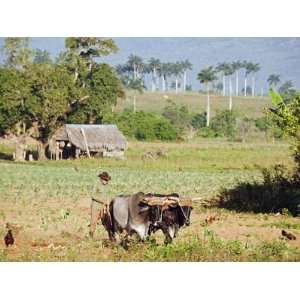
x: 170, y: 218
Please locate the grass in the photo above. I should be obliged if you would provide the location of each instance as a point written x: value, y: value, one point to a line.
x: 51, y: 199
x: 196, y: 102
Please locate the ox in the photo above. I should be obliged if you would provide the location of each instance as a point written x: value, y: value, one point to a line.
x: 128, y: 214
x: 170, y: 217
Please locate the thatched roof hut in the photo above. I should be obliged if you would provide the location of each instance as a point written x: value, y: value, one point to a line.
x: 104, y: 139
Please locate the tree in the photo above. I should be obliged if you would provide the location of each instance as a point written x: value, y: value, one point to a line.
x: 207, y: 76
x: 13, y: 93
x: 287, y: 117
x: 17, y: 52
x: 236, y: 66
x: 137, y: 85
x: 177, y: 70
x: 41, y: 57
x: 80, y: 54
x: 252, y: 68
x: 136, y: 64
x: 178, y: 115
x: 104, y: 88
x: 154, y: 65
x: 285, y: 87
x: 228, y: 71
x: 248, y: 69
x: 222, y: 68
x: 287, y: 91
x: 273, y: 80
x: 186, y: 65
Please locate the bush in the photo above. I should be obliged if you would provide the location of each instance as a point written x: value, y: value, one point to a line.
x: 277, y: 191
x: 143, y: 126
x: 178, y: 115
x: 224, y: 123
x: 267, y: 125
x: 199, y: 120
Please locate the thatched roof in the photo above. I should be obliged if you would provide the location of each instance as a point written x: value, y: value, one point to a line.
x: 99, y: 137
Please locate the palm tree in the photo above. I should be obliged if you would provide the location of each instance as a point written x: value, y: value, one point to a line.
x: 207, y: 76
x: 286, y: 87
x: 248, y: 68
x: 186, y: 65
x: 154, y: 65
x: 273, y: 80
x: 137, y: 85
x: 177, y: 70
x: 137, y: 65
x: 255, y: 68
x: 237, y: 65
x: 228, y: 72
x: 222, y: 67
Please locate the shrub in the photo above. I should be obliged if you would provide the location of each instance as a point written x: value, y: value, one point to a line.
x: 277, y: 191
x: 178, y: 115
x: 199, y: 120
x: 224, y: 123
x: 143, y: 126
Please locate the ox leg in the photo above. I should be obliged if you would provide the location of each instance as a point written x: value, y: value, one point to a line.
x: 168, y: 238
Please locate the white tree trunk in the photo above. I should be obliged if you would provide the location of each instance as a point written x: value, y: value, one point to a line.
x: 237, y: 83
x: 230, y: 94
x: 176, y: 85
x: 134, y: 103
x: 163, y: 82
x: 207, y: 107
x: 153, y: 87
x: 155, y: 79
x: 253, y: 86
x: 245, y: 88
x: 224, y: 86
x: 262, y: 92
x: 184, y: 81
x: 134, y: 72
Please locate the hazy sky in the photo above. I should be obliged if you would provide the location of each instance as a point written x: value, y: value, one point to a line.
x: 275, y: 55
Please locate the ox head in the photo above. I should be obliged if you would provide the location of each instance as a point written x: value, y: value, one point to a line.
x: 154, y: 212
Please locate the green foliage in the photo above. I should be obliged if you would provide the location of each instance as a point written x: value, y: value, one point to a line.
x: 224, y: 123
x: 277, y: 190
x: 42, y: 57
x: 178, y: 115
x: 269, y: 127
x: 13, y: 92
x: 198, y: 120
x: 287, y: 116
x: 276, y: 98
x: 104, y: 88
x: 51, y: 93
x: 17, y: 52
x: 143, y: 126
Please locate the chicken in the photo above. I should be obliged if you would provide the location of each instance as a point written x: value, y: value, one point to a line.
x: 9, y: 239
x: 289, y: 236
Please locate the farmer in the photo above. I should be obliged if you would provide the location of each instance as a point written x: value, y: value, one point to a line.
x: 99, y: 199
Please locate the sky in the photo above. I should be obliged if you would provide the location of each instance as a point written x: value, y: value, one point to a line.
x: 275, y: 55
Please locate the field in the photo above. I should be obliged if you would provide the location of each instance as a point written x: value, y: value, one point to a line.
x: 49, y: 202
x: 196, y: 102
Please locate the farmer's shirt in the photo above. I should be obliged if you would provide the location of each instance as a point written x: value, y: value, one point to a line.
x: 101, y: 192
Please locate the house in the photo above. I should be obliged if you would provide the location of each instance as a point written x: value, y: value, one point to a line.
x: 77, y: 140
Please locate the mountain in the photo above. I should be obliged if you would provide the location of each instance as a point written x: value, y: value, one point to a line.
x: 275, y: 55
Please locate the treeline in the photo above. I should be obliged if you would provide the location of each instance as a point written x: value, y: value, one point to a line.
x: 37, y: 94
x: 177, y: 123
x: 163, y: 76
